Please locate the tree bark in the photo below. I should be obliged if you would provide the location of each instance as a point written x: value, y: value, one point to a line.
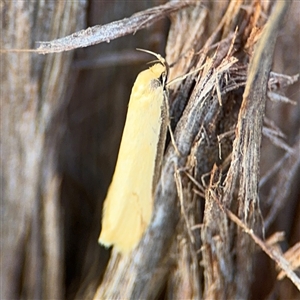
x: 32, y: 89
x: 218, y: 205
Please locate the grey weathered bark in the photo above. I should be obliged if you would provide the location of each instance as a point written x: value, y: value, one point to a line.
x: 214, y: 107
x: 207, y: 214
x: 32, y: 89
x: 211, y: 111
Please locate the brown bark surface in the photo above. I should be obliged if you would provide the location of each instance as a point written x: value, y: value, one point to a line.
x: 227, y: 213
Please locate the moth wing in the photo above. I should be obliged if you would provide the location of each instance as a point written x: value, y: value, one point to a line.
x: 129, y: 203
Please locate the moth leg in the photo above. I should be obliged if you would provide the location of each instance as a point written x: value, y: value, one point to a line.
x: 170, y: 129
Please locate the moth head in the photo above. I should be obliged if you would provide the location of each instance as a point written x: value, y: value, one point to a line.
x: 164, y: 74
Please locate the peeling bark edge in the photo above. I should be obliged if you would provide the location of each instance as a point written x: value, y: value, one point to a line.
x: 105, y: 33
x: 253, y: 106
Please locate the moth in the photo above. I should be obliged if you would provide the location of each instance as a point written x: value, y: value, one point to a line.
x: 129, y: 202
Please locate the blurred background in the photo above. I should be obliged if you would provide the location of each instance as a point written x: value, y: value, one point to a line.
x: 62, y: 117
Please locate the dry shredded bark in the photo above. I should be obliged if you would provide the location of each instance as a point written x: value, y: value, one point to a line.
x: 225, y: 252
x: 32, y: 88
x: 207, y: 219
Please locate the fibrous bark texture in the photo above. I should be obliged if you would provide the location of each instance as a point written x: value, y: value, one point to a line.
x: 226, y: 218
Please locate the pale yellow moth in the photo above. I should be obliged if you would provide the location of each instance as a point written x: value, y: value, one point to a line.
x: 129, y: 202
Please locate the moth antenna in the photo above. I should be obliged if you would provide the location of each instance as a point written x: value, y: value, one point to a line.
x: 153, y: 61
x: 158, y: 56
